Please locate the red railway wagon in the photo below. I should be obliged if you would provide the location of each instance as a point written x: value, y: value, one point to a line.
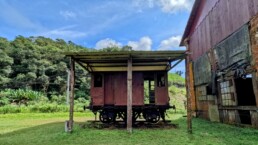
x: 109, y: 82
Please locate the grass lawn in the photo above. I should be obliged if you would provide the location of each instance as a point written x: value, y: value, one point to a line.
x: 48, y: 129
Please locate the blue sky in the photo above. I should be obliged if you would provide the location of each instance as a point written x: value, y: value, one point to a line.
x: 142, y: 24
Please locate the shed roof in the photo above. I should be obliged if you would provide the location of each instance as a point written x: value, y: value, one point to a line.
x: 117, y: 61
x: 190, y: 20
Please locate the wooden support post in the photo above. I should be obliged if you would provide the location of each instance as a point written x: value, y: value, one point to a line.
x: 255, y: 87
x: 188, y: 90
x: 68, y: 86
x: 129, y: 95
x: 72, y: 78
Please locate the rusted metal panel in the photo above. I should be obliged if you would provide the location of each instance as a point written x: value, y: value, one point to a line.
x: 202, y: 70
x: 251, y: 7
x: 216, y: 32
x: 224, y: 15
x: 234, y: 49
x: 138, y: 88
x: 208, y: 5
x: 161, y: 92
x: 255, y: 6
x: 97, y: 93
x: 109, y: 89
x: 203, y: 38
x: 207, y: 34
x: 194, y: 45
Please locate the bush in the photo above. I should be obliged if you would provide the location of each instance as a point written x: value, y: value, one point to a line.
x: 4, y: 101
x: 10, y: 109
x: 20, y: 96
x: 59, y: 99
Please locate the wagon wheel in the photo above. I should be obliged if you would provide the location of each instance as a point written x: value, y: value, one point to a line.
x: 105, y: 117
x: 155, y: 119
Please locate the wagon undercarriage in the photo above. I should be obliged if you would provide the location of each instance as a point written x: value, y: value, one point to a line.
x: 147, y: 113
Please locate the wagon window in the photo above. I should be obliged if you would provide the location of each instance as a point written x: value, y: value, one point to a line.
x: 98, y: 80
x: 161, y: 80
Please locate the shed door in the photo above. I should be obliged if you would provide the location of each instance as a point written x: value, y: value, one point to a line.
x: 161, y: 89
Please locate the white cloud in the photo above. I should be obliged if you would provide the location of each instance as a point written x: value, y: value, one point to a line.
x: 143, y: 44
x: 167, y: 6
x: 68, y: 14
x: 64, y: 32
x: 170, y: 43
x: 173, y: 6
x: 105, y: 43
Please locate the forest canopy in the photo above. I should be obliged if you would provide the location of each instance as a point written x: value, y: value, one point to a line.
x: 38, y: 63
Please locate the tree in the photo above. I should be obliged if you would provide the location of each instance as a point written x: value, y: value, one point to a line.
x: 5, y: 62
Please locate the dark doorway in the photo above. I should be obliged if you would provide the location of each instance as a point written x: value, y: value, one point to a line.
x: 245, y: 92
x: 244, y: 116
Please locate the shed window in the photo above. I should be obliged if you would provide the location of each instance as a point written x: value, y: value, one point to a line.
x: 227, y: 93
x: 161, y: 80
x: 98, y: 80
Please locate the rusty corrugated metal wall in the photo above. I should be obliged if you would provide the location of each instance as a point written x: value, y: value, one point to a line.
x: 225, y: 17
x: 220, y: 45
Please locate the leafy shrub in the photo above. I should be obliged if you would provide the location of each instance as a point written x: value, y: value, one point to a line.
x: 59, y: 99
x: 4, y: 101
x: 10, y: 109
x: 20, y: 96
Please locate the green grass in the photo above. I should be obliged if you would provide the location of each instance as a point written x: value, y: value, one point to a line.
x: 48, y: 129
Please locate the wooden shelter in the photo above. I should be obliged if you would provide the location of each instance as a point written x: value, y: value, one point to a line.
x: 124, y: 72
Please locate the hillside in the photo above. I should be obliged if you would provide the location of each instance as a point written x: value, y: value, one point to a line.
x: 177, y: 91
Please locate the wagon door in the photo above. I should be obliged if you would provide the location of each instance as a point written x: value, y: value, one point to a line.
x: 120, y: 89
x: 97, y: 89
x: 161, y: 89
x: 138, y: 90
x: 109, y: 89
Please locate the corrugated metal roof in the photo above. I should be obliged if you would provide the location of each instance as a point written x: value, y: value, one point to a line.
x: 117, y: 61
